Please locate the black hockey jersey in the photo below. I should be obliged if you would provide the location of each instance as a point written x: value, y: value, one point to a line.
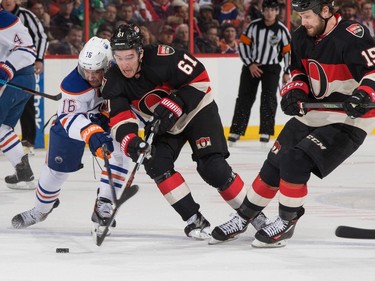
x: 164, y: 71
x: 333, y: 66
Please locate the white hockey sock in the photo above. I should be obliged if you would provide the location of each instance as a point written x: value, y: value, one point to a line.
x: 48, y: 190
x: 10, y: 145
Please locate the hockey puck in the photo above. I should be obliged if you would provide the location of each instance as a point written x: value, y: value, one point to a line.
x: 62, y: 250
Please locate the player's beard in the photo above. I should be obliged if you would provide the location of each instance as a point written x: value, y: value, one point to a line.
x: 317, y: 30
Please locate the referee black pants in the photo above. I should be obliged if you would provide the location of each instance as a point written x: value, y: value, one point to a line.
x: 246, y: 97
x: 27, y: 120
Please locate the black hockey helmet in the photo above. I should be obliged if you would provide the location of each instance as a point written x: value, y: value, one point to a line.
x: 127, y: 37
x: 315, y: 5
x: 270, y: 4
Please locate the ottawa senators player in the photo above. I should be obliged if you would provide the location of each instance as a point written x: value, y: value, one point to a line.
x: 173, y: 87
x: 332, y: 60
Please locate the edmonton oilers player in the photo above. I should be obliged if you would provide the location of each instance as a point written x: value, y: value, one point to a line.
x: 17, y: 57
x: 81, y: 119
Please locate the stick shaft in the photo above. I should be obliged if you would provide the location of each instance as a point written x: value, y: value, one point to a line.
x: 30, y: 91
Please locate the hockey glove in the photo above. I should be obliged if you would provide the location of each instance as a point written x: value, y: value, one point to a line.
x: 133, y: 146
x: 6, y: 72
x: 100, y: 119
x: 95, y: 137
x: 168, y: 111
x: 352, y: 105
x: 293, y: 94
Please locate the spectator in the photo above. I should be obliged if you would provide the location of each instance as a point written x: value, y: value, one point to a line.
x: 96, y: 16
x: 349, y: 11
x: 148, y: 37
x: 367, y: 18
x: 181, y: 40
x: 72, y: 44
x: 63, y: 21
x: 228, y: 13
x: 180, y: 14
x: 105, y: 31
x: 126, y: 13
x: 161, y: 9
x: 110, y: 14
x: 209, y: 42
x: 206, y: 16
x: 229, y: 43
x: 165, y: 35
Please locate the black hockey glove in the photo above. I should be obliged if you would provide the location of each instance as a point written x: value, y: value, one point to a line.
x: 168, y: 111
x: 133, y: 146
x: 100, y: 119
x: 95, y: 137
x: 352, y: 105
x: 293, y: 94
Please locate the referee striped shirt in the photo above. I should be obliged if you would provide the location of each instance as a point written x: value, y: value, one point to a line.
x: 265, y: 45
x: 35, y: 28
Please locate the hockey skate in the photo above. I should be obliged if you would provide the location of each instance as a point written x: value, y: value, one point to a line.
x: 23, y: 174
x: 236, y: 225
x: 31, y: 217
x: 275, y: 234
x: 102, y: 212
x: 198, y: 227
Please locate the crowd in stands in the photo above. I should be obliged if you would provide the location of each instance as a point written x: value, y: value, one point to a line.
x: 217, y: 24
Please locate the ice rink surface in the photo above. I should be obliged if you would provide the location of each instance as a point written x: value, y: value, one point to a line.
x: 149, y: 243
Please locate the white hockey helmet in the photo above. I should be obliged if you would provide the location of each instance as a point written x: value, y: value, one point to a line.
x: 96, y: 54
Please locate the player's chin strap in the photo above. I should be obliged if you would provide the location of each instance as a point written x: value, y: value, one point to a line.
x: 325, y: 23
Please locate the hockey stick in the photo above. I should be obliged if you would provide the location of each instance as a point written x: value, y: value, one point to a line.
x: 354, y: 232
x: 331, y: 105
x: 129, y: 189
x: 30, y: 91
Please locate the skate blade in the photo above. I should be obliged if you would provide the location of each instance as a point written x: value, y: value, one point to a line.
x: 214, y: 241
x: 97, y: 230
x: 258, y: 244
x: 30, y: 185
x: 200, y: 234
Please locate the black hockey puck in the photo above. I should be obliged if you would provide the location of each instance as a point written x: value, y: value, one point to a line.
x: 62, y: 250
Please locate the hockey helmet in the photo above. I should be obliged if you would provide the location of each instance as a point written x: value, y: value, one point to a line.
x: 315, y: 5
x: 127, y: 37
x: 270, y: 4
x: 95, y: 55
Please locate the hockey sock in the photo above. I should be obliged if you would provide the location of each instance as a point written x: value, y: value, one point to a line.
x: 10, y: 145
x: 235, y: 193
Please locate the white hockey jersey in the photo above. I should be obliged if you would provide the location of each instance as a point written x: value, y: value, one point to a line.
x: 79, y: 100
x: 16, y: 44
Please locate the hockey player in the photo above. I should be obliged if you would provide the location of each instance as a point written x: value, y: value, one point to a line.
x: 332, y: 61
x: 80, y: 120
x: 17, y: 56
x: 173, y: 87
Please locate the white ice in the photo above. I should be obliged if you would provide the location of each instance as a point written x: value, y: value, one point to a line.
x: 149, y: 243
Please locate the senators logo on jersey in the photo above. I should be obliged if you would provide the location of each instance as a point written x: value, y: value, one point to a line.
x: 356, y: 29
x: 164, y: 50
x: 150, y: 100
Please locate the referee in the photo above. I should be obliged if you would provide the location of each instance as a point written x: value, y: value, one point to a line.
x: 36, y: 30
x: 263, y: 45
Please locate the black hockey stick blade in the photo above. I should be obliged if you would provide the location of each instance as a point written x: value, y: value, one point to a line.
x: 331, y: 105
x: 127, y: 194
x: 30, y: 91
x: 354, y: 232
